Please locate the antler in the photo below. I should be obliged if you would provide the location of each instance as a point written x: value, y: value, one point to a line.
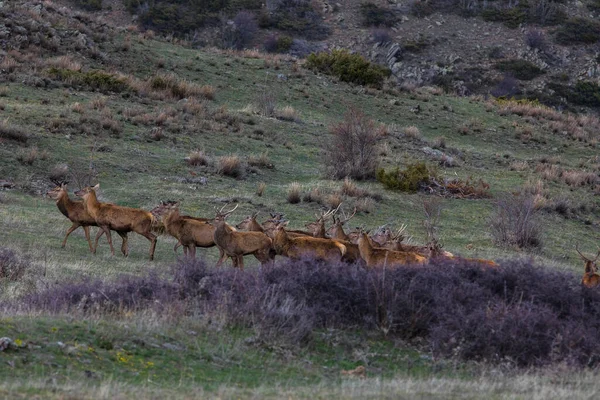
x: 346, y: 219
x: 584, y: 257
x: 399, y: 233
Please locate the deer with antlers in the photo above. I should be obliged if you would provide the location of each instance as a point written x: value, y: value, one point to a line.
x: 191, y: 232
x: 591, y: 278
x: 376, y: 257
x: 121, y: 219
x: 303, y: 246
x: 75, y: 211
x: 236, y: 244
x: 317, y: 228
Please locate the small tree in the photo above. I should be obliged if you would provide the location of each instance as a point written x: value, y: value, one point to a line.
x: 515, y: 222
x: 352, y: 148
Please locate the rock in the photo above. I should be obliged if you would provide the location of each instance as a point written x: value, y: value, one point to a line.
x: 5, y: 343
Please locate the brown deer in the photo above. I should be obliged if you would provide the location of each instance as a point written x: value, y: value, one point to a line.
x: 251, y: 224
x: 336, y: 230
x: 236, y: 244
x: 436, y: 252
x: 317, y: 228
x: 121, y: 219
x: 190, y: 232
x: 591, y: 278
x: 376, y: 257
x: 302, y: 246
x: 75, y: 212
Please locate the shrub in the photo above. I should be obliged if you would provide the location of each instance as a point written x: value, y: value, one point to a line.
x: 12, y: 266
x: 95, y: 79
x: 294, y: 193
x: 299, y: 17
x: 412, y: 132
x: 578, y: 31
x: 373, y: 15
x: 260, y: 189
x: 261, y: 161
x: 514, y: 223
x: 89, y: 5
x: 348, y: 67
x: 241, y: 33
x: 288, y: 113
x: 197, y: 157
x: 520, y: 69
x: 12, y: 132
x: 352, y: 148
x: 507, y: 87
x: 381, y: 35
x: 411, y: 179
x: 519, y: 313
x: 231, y: 166
x: 278, y: 43
x: 266, y: 102
x: 535, y: 39
x: 511, y: 17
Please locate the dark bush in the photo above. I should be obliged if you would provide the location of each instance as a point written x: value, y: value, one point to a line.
x: 515, y: 222
x: 373, y: 15
x: 351, y: 150
x: 578, y: 31
x: 278, y: 43
x: 507, y: 87
x: 95, y: 79
x: 585, y: 93
x: 348, y: 67
x: 298, y: 17
x: 510, y: 17
x: 520, y: 313
x: 411, y: 179
x: 520, y: 69
x: 241, y: 33
x: 381, y: 35
x: 12, y: 266
x: 535, y: 39
x: 89, y: 5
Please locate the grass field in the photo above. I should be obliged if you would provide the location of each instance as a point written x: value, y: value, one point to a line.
x: 115, y: 132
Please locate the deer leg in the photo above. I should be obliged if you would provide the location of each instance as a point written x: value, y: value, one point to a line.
x: 124, y: 246
x: 106, y: 230
x: 240, y: 262
x: 71, y: 229
x: 152, y: 239
x: 177, y: 246
x: 86, y: 230
x: 192, y: 251
x: 222, y: 257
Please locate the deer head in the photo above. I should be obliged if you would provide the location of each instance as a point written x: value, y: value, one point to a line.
x: 590, y: 265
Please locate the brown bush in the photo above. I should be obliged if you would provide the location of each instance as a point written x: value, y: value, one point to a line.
x: 351, y: 150
x: 515, y: 222
x: 294, y: 193
x: 231, y: 166
x: 197, y: 157
x: 260, y: 189
x: 12, y: 132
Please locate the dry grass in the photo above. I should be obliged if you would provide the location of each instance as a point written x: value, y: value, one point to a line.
x: 351, y: 189
x: 77, y: 108
x: 9, y: 64
x: 28, y: 157
x: 294, y: 193
x: 580, y: 178
x: 439, y: 142
x: 230, y: 165
x: 64, y: 62
x: 260, y: 161
x: 518, y: 166
x: 549, y: 172
x: 314, y: 195
x: 12, y: 132
x: 412, y: 132
x: 333, y: 200
x: 99, y: 103
x: 288, y: 113
x: 197, y: 157
x: 260, y: 189
x: 207, y: 92
x: 365, y: 205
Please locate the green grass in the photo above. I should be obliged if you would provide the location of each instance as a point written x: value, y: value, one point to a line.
x: 138, y: 172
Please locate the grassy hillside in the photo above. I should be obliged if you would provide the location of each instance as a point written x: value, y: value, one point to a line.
x: 131, y: 109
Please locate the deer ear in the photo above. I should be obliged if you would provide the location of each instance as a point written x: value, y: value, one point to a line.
x: 96, y: 187
x: 63, y: 186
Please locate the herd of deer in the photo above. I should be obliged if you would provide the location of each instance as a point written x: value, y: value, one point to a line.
x: 264, y: 241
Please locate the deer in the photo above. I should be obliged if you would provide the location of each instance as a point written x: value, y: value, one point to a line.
x: 317, y: 228
x: 75, y: 211
x: 591, y: 278
x: 270, y: 224
x: 377, y: 257
x: 436, y: 252
x: 301, y: 246
x: 190, y: 232
x: 117, y: 218
x: 251, y: 224
x: 237, y: 244
x: 336, y: 230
